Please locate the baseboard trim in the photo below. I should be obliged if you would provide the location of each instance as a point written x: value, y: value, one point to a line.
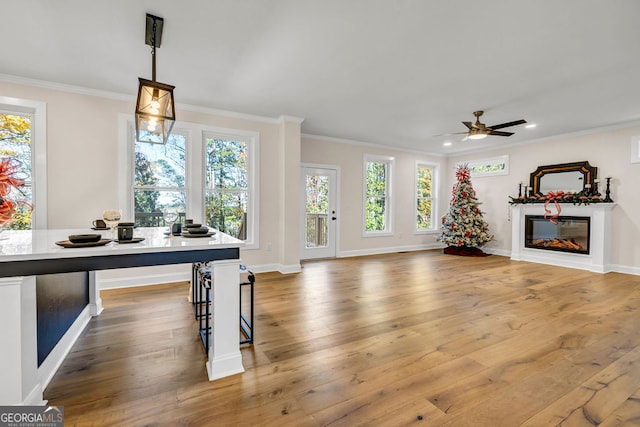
x: 50, y: 365
x: 389, y: 250
x: 624, y: 269
x: 143, y: 280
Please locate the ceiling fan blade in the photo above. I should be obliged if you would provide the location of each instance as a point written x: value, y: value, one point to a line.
x: 500, y: 133
x: 506, y: 125
x: 468, y: 124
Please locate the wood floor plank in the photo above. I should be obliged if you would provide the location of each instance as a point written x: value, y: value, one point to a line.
x: 400, y: 339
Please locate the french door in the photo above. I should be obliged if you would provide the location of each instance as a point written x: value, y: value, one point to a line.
x: 319, y: 212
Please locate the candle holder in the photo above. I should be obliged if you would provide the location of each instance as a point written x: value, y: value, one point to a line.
x: 607, y: 194
x: 519, y: 190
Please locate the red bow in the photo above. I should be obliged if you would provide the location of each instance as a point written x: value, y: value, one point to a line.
x: 8, y: 167
x: 553, y: 197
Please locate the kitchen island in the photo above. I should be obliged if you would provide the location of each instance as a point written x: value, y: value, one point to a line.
x: 24, y: 255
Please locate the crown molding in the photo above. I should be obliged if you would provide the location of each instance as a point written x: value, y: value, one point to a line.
x: 370, y: 144
x: 80, y: 90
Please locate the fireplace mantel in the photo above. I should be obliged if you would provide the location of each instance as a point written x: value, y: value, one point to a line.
x: 599, y: 258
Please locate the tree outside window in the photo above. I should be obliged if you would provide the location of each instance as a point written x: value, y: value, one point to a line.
x: 424, y: 198
x: 159, y: 180
x: 15, y: 142
x: 377, y: 195
x: 226, y: 182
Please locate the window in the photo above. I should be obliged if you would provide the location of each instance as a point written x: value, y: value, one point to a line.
x: 23, y: 137
x: 227, y: 184
x: 488, y: 167
x: 204, y: 173
x: 377, y: 198
x: 425, y: 207
x: 159, y: 180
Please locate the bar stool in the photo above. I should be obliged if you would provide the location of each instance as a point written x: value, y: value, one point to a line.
x: 203, y: 306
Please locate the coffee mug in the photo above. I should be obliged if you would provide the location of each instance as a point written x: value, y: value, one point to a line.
x: 125, y: 231
x: 176, y: 228
x: 99, y: 223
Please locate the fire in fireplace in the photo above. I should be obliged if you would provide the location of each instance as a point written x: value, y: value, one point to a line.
x: 570, y: 234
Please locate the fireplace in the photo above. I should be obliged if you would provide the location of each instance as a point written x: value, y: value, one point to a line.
x: 595, y: 254
x: 568, y: 234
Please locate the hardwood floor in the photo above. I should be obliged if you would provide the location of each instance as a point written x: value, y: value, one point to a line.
x: 403, y: 339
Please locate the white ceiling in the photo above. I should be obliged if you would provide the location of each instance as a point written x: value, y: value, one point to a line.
x: 390, y: 72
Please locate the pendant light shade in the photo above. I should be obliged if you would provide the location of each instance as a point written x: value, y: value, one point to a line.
x: 155, y: 111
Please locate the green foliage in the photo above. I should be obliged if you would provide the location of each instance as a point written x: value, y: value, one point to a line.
x: 227, y: 186
x: 424, y: 198
x: 376, y: 197
x: 317, y: 188
x: 159, y: 180
x: 144, y: 201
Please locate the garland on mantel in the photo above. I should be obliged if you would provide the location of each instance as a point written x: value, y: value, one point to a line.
x: 581, y: 198
x: 557, y: 197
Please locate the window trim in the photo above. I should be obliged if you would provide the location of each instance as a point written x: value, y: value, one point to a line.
x: 499, y: 160
x: 38, y: 112
x: 435, y: 177
x: 388, y: 226
x: 252, y: 139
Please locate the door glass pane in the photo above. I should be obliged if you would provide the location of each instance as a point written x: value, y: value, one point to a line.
x: 317, y: 211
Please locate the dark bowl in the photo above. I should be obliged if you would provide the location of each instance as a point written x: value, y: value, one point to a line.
x: 199, y: 230
x: 190, y: 226
x: 84, y: 238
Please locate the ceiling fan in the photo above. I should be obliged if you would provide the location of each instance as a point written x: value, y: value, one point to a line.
x: 479, y: 130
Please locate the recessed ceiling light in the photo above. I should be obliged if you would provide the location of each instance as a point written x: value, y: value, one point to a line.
x: 448, y: 144
x: 531, y: 125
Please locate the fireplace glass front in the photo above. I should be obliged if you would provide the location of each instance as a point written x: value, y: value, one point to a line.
x: 570, y: 234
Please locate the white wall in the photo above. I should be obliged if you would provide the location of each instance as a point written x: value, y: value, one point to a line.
x: 349, y: 157
x: 608, y: 150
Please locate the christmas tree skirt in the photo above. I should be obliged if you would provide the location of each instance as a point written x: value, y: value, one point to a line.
x: 464, y: 251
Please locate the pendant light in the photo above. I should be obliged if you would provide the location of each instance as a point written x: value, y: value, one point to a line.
x: 155, y: 112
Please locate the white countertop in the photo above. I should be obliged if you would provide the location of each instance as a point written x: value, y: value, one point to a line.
x: 40, y: 244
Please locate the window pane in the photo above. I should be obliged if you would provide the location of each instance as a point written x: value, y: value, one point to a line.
x: 226, y: 164
x: 150, y: 204
x: 423, y: 190
x: 317, y: 211
x: 15, y: 142
x: 424, y: 182
x: 376, y: 202
x: 161, y: 165
x: 424, y: 214
x: 159, y: 180
x: 376, y: 210
x: 227, y: 212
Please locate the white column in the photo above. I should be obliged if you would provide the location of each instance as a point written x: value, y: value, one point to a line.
x: 18, y: 335
x: 224, y: 352
x: 517, y: 238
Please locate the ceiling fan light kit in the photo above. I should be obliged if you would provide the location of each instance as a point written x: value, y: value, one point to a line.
x: 479, y: 130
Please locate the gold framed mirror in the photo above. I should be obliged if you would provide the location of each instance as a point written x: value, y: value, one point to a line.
x: 567, y: 177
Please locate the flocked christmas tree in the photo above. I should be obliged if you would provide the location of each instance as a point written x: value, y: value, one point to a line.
x: 464, y: 230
